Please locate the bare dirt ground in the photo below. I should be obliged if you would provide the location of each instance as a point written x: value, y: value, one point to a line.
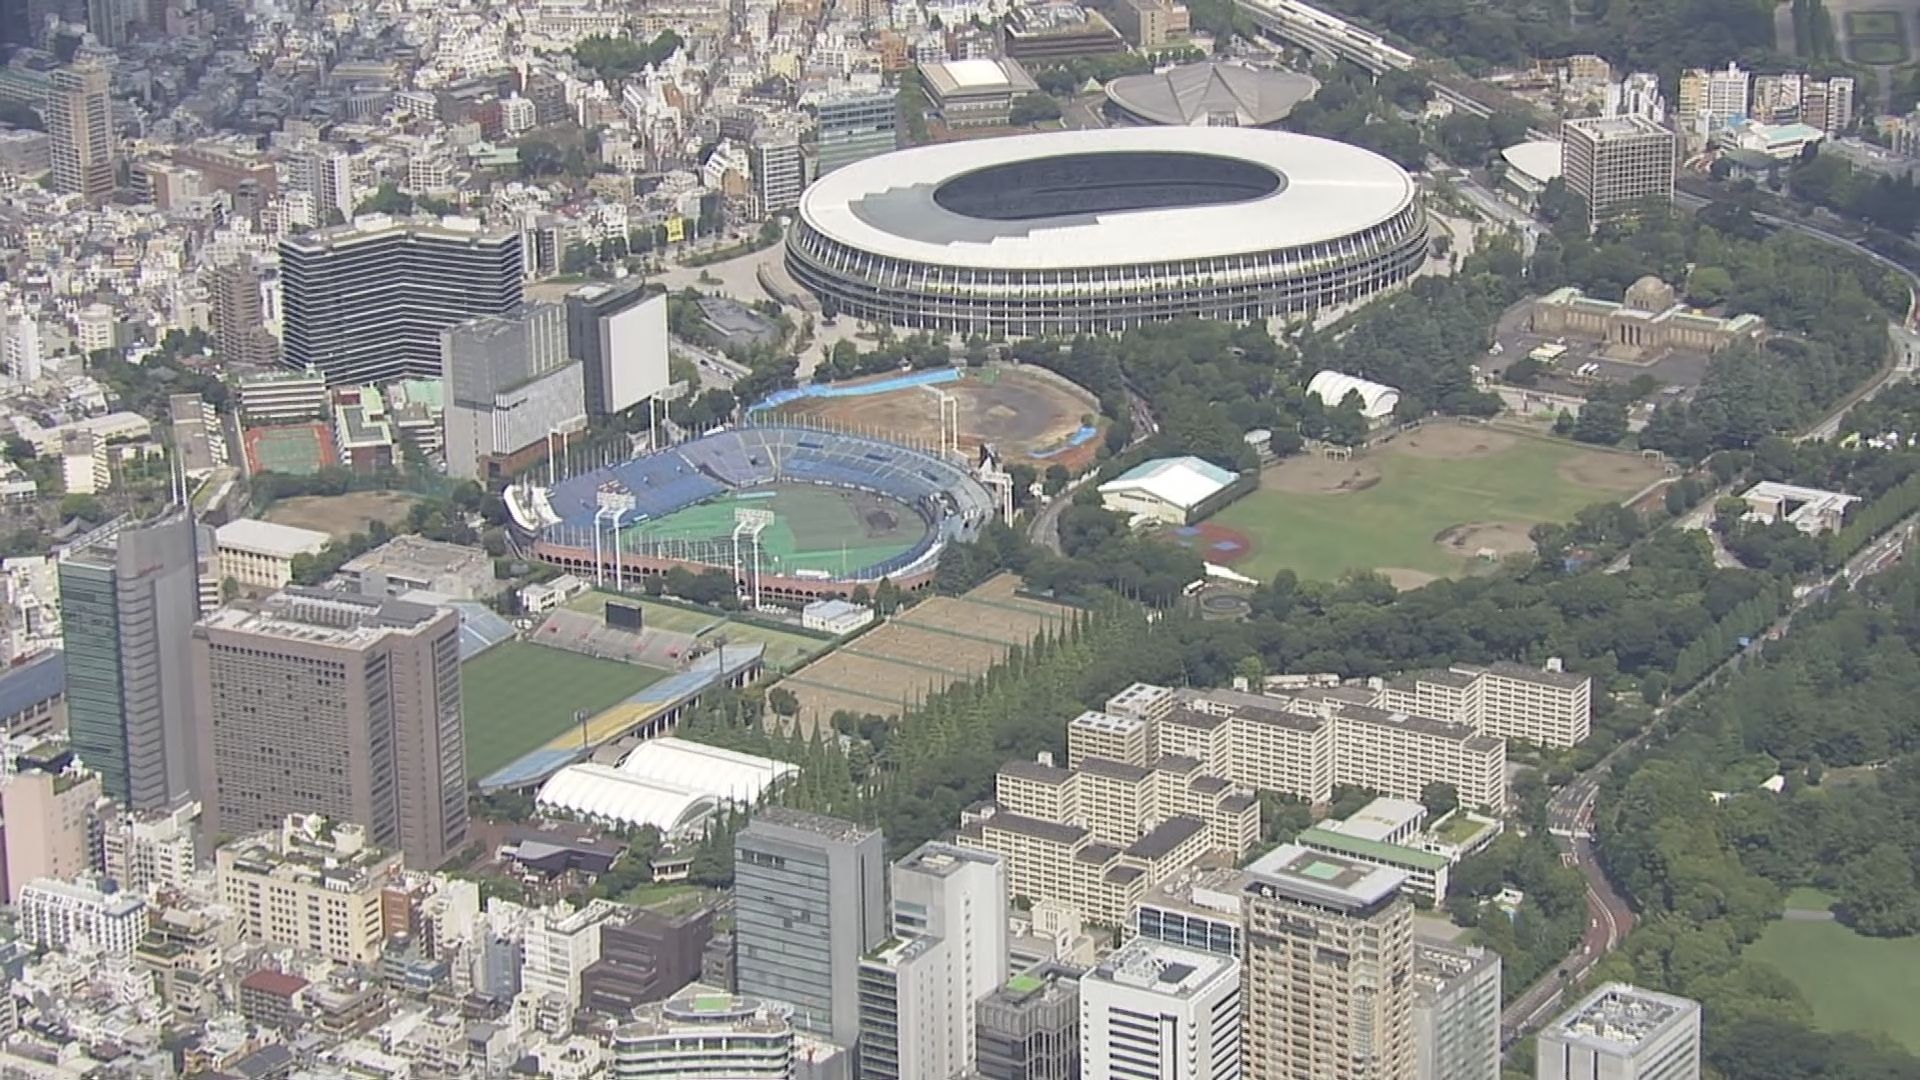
x: 1022, y: 415
x: 1610, y: 472
x: 340, y: 516
x: 1315, y: 475
x: 1503, y: 538
x: 1405, y: 579
x: 1450, y: 442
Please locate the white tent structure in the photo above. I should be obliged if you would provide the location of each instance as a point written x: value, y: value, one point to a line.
x: 1377, y: 400
x: 671, y: 784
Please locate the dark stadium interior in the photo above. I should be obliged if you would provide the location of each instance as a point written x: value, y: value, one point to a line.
x: 1102, y: 183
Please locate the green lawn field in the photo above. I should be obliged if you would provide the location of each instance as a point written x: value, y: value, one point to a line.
x: 814, y: 529
x: 517, y: 696
x: 658, y: 616
x: 1854, y: 983
x: 1395, y: 523
x: 785, y: 651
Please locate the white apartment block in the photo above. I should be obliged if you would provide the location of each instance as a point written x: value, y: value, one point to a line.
x: 1160, y: 1012
x: 1546, y: 706
x: 1621, y: 1032
x: 144, y: 852
x: 61, y: 915
x: 560, y: 944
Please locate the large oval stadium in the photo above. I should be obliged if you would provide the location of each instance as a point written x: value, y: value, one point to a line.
x: 794, y: 513
x: 1088, y: 231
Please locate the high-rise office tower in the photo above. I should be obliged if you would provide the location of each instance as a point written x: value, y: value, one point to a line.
x: 1029, y: 1029
x: 336, y: 704
x: 128, y: 603
x: 1622, y: 1032
x: 1329, y: 979
x: 240, y: 334
x: 510, y: 386
x: 857, y: 125
x: 1159, y: 1011
x: 80, y: 131
x: 619, y: 335
x: 949, y: 950
x: 809, y: 900
x: 779, y: 174
x: 365, y: 303
x: 1456, y: 1011
x: 1618, y: 164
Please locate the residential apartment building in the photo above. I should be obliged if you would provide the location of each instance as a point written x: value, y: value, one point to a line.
x: 561, y: 945
x: 1617, y: 164
x: 809, y: 901
x: 128, y: 601
x: 240, y: 334
x: 338, y: 704
x: 1545, y: 706
x: 1097, y: 836
x: 1456, y: 1011
x: 949, y: 950
x: 60, y: 915
x: 778, y: 175
x: 79, y: 115
x: 47, y: 805
x: 1621, y: 1032
x: 1329, y: 969
x: 1029, y: 1029
x: 365, y: 303
x: 1160, y: 1011
x: 151, y: 850
x: 312, y: 885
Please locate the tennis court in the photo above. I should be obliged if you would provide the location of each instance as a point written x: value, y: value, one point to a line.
x: 814, y: 528
x: 295, y: 449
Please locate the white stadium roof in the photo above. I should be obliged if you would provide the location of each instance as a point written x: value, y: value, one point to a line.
x: 670, y: 784
x: 1184, y: 482
x: 1376, y: 399
x: 1538, y: 160
x: 1331, y: 190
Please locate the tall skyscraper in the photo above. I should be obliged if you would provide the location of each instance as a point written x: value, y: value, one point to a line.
x: 1621, y: 1032
x: 857, y: 125
x: 619, y: 334
x: 1329, y: 978
x: 1456, y: 1011
x: 336, y: 704
x: 365, y: 303
x: 809, y: 899
x: 1029, y: 1029
x: 509, y: 386
x: 128, y: 603
x: 949, y: 950
x: 80, y: 131
x: 1618, y: 164
x: 1156, y: 1010
x: 240, y: 334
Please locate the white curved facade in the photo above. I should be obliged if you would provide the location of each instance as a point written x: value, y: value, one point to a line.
x: 1377, y: 400
x: 671, y: 784
x: 1101, y: 230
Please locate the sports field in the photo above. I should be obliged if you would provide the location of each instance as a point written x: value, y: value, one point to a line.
x: 1854, y: 983
x: 784, y: 651
x: 518, y: 696
x: 814, y: 528
x: 1432, y: 503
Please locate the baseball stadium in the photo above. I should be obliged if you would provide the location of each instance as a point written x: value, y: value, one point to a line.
x: 793, y: 512
x: 1097, y: 231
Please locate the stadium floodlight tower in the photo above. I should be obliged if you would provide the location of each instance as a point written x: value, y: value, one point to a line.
x: 752, y: 522
x: 949, y: 423
x: 609, y: 505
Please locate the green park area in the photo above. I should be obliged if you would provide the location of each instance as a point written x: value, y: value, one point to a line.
x: 1853, y: 982
x: 1432, y: 503
x: 1876, y: 37
x: 517, y: 696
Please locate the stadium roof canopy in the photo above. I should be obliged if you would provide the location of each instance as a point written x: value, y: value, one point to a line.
x: 1328, y: 191
x: 1538, y: 160
x: 1208, y: 93
x: 1183, y: 482
x: 670, y: 784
